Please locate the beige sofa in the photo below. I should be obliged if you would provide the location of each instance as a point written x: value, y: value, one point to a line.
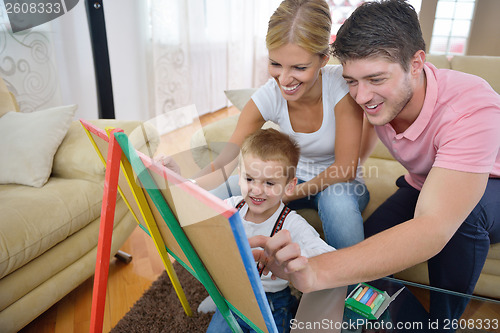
x: 48, y: 234
x: 381, y: 169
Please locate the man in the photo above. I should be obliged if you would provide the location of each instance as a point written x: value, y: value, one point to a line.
x: 444, y: 127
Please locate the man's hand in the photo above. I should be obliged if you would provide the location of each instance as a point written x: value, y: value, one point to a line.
x: 168, y: 162
x: 283, y: 258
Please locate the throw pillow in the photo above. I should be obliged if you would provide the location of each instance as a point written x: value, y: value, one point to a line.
x: 7, y: 100
x: 28, y: 143
x: 239, y: 97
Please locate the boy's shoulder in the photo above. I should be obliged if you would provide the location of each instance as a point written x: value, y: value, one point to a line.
x: 234, y: 200
x: 295, y: 218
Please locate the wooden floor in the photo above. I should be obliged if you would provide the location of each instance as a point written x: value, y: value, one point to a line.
x: 127, y: 282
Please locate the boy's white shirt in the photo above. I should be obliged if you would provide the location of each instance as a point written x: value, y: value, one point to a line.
x: 301, y: 232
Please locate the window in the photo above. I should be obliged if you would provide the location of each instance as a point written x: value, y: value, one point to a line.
x: 340, y: 10
x: 451, y: 26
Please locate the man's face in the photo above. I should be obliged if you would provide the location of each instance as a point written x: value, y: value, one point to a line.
x: 382, y: 88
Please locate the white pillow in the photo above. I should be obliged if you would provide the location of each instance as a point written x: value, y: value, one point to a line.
x: 28, y: 143
x: 239, y: 97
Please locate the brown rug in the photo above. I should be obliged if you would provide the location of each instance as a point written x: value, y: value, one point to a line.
x: 159, y: 309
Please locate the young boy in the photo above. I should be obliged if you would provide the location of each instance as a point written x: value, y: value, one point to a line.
x: 267, y: 164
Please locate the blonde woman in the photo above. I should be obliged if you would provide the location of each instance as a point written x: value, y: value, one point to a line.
x: 309, y: 100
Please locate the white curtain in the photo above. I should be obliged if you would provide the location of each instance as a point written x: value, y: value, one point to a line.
x: 199, y: 48
x: 164, y: 54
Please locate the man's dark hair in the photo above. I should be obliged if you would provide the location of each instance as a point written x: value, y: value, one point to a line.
x: 389, y: 28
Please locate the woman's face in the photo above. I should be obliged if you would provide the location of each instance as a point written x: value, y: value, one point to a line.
x: 296, y: 70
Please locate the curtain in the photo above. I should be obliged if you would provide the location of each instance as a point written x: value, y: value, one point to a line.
x: 199, y: 48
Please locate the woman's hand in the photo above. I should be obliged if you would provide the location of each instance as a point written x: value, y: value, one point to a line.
x: 283, y: 258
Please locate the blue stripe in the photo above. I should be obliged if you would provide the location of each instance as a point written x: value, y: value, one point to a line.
x: 253, y: 274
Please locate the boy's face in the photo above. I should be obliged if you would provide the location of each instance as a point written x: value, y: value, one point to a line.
x: 263, y: 184
x: 382, y: 88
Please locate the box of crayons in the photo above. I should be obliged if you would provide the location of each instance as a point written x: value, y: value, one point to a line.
x: 368, y: 301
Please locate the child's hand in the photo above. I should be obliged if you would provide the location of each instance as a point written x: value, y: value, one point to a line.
x: 168, y: 162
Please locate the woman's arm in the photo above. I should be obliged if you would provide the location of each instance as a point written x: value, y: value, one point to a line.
x: 224, y: 164
x: 348, y: 128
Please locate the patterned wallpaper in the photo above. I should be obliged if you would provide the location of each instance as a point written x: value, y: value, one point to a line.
x: 27, y: 65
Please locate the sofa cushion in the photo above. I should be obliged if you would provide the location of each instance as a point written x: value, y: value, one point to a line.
x: 482, y: 66
x: 28, y: 143
x: 36, y: 219
x: 440, y: 61
x: 77, y: 158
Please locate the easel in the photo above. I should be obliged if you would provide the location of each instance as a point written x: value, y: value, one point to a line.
x: 115, y: 159
x: 187, y: 228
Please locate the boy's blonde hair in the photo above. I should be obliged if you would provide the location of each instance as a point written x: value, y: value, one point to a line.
x: 272, y: 145
x: 306, y: 23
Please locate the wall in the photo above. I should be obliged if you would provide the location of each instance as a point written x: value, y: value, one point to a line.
x: 426, y: 18
x: 484, y: 38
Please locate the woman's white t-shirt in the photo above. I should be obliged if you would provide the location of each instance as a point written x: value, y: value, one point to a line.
x: 317, y: 149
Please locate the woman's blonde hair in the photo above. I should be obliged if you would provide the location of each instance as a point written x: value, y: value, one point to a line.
x: 306, y: 23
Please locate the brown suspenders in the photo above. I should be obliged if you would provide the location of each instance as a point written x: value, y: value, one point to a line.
x: 278, y: 225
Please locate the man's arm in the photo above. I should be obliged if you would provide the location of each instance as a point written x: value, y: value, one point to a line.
x: 446, y: 199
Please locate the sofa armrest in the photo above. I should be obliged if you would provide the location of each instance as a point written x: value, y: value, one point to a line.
x: 207, y: 142
x: 77, y: 158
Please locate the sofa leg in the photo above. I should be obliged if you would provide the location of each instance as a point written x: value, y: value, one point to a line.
x: 123, y: 256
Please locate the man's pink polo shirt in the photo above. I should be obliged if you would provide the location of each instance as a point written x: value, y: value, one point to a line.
x: 458, y: 128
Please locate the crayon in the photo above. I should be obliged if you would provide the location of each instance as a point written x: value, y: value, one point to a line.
x: 365, y: 289
x: 366, y: 296
x: 377, y: 302
x: 356, y: 294
x: 370, y: 301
